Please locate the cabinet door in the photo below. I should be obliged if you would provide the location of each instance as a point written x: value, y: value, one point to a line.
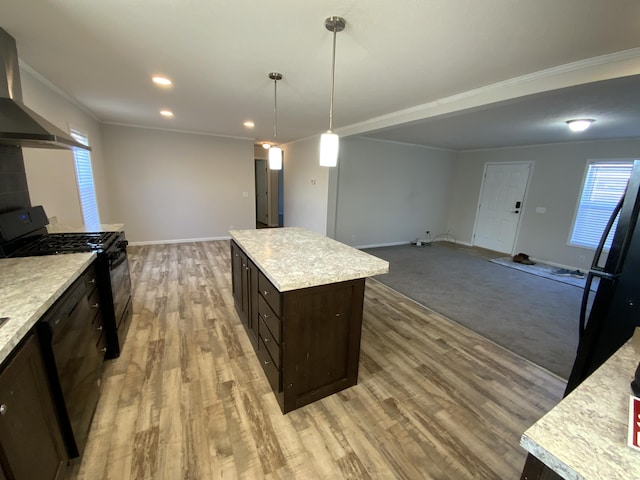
x: 236, y: 278
x: 252, y: 307
x: 30, y: 437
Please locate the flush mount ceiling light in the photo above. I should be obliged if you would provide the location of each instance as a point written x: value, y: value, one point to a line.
x: 580, y: 124
x: 329, y: 141
x: 166, y: 113
x: 249, y: 124
x: 275, y: 152
x: 266, y: 146
x: 162, y: 81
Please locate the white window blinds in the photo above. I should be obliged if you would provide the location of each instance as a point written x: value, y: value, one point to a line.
x: 604, y: 185
x: 84, y: 174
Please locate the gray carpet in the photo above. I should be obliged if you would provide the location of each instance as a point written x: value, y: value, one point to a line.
x: 530, y: 315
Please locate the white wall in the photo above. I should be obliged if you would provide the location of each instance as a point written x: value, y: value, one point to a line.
x: 555, y: 185
x: 390, y: 193
x: 51, y: 173
x: 169, y: 186
x: 306, y: 186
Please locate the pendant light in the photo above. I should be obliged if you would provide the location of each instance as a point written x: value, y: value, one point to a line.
x: 329, y: 141
x: 275, y: 152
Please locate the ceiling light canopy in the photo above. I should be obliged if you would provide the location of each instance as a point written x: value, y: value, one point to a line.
x: 580, y: 124
x: 329, y: 141
x: 275, y: 152
x: 162, y: 81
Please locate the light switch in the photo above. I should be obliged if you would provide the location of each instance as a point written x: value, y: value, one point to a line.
x: 313, y: 181
x: 245, y: 194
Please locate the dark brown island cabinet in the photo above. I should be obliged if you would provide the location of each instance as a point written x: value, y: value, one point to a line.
x: 308, y: 339
x: 31, y: 444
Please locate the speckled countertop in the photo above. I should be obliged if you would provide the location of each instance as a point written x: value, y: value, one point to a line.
x: 29, y: 286
x: 294, y: 257
x: 585, y: 435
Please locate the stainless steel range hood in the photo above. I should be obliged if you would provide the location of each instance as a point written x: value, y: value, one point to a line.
x: 19, y: 125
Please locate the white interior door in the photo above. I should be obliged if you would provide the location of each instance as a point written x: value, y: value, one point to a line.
x: 262, y: 194
x: 501, y: 203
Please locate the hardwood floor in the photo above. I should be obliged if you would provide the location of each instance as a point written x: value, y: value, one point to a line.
x: 188, y: 399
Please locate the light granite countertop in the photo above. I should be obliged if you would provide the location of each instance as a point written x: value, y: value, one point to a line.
x: 29, y: 286
x: 585, y: 435
x: 103, y: 227
x: 294, y: 258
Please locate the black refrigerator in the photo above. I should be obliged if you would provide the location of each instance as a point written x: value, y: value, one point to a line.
x: 615, y: 311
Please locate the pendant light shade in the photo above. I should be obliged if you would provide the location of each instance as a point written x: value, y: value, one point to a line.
x: 275, y: 158
x: 330, y: 142
x: 275, y: 152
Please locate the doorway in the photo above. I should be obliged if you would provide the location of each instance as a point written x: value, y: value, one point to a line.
x: 262, y: 194
x: 269, y: 196
x: 501, y: 201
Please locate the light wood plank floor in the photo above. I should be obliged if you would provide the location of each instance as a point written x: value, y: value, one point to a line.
x: 188, y: 400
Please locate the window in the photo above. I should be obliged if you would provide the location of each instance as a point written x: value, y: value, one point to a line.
x: 84, y: 174
x: 604, y: 185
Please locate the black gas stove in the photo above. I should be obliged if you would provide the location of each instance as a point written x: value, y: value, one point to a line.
x: 23, y: 233
x: 58, y: 243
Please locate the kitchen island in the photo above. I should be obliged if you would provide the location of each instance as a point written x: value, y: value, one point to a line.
x: 300, y: 298
x: 585, y: 435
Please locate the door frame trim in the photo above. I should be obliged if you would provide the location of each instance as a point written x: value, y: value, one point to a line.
x: 516, y: 237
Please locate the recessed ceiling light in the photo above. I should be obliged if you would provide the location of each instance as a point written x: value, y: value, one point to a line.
x: 580, y: 124
x: 163, y: 81
x: 166, y: 113
x: 249, y: 124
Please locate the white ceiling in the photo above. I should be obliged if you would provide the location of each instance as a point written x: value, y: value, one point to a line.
x: 444, y: 73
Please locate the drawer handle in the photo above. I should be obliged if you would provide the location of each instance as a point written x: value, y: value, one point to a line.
x: 99, y: 328
x: 266, y: 340
x: 92, y: 281
x: 3, y: 409
x: 266, y: 292
x: 95, y: 305
x: 266, y: 315
x: 103, y: 349
x: 267, y: 362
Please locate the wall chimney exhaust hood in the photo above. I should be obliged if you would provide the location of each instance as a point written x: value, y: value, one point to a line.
x: 19, y: 125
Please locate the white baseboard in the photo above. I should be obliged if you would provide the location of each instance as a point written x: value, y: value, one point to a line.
x: 180, y: 240
x: 376, y: 245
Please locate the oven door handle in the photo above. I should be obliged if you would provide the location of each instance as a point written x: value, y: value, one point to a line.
x: 117, y: 258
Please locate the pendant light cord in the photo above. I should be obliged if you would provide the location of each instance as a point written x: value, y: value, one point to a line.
x: 275, y: 108
x: 333, y: 76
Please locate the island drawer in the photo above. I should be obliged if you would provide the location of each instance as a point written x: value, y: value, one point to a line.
x: 269, y: 292
x: 269, y: 318
x: 269, y: 367
x: 269, y: 342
